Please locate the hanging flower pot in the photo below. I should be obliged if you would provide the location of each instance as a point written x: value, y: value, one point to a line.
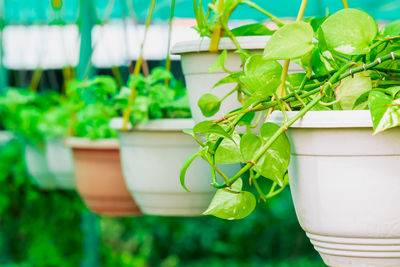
x: 99, y: 178
x: 196, y: 61
x: 60, y: 162
x: 152, y: 155
x: 37, y: 167
x: 344, y: 183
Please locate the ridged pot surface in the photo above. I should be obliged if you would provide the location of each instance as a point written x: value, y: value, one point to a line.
x: 100, y: 182
x: 346, y: 187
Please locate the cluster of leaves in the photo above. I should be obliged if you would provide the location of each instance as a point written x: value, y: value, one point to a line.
x: 218, y: 14
x: 348, y: 64
x: 22, y: 111
x: 154, y: 98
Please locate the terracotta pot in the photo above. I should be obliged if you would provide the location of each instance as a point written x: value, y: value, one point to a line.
x: 99, y: 178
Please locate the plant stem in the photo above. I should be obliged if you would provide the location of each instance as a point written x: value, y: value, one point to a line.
x: 345, y: 5
x: 216, y: 30
x: 168, y: 60
x: 301, y: 10
x: 138, y: 64
x: 268, y: 14
x: 37, y: 74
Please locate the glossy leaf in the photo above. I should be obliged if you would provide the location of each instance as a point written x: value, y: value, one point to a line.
x: 391, y: 29
x: 231, y: 78
x: 351, y: 88
x: 385, y: 112
x: 232, y: 205
x: 252, y: 30
x: 275, y: 161
x: 349, y: 31
x: 228, y: 151
x: 209, y: 104
x: 209, y: 127
x: 219, y: 62
x: 291, y: 41
x: 261, y: 75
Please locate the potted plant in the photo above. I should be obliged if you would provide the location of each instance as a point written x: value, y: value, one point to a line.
x: 154, y: 146
x: 340, y: 152
x: 203, y: 65
x: 22, y: 110
x: 98, y: 173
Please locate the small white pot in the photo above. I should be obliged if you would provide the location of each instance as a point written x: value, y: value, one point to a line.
x: 61, y: 163
x: 152, y: 156
x: 5, y: 137
x: 196, y: 60
x: 38, y: 169
x: 346, y: 187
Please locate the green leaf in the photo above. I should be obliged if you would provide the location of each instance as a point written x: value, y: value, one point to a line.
x: 252, y: 30
x: 385, y: 112
x: 351, y: 88
x: 232, y: 205
x: 261, y: 75
x: 394, y: 91
x: 231, y: 78
x: 219, y: 62
x: 291, y: 41
x: 228, y: 152
x: 105, y: 84
x: 275, y: 161
x: 209, y: 104
x: 349, y: 31
x: 186, y: 165
x: 209, y: 127
x: 392, y: 29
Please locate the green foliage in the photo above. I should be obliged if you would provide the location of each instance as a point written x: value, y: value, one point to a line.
x: 153, y: 98
x: 349, y: 32
x: 232, y: 204
x: 209, y: 104
x: 289, y: 42
x: 39, y: 228
x: 347, y: 65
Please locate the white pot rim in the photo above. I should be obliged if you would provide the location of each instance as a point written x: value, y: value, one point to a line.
x: 327, y: 119
x: 163, y: 125
x: 86, y: 143
x: 225, y: 43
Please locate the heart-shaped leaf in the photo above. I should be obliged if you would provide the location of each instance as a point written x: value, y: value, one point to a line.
x: 219, y: 62
x: 291, y: 41
x: 228, y: 152
x: 261, y: 75
x: 209, y: 127
x: 209, y: 104
x: 385, y: 112
x: 351, y: 88
x: 349, y: 32
x: 232, y: 205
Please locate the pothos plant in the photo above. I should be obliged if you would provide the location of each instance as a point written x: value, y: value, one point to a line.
x: 349, y: 64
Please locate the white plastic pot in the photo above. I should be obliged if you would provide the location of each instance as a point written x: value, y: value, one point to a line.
x: 5, y: 137
x: 61, y: 163
x: 38, y: 169
x: 152, y: 156
x: 346, y: 187
x: 196, y: 60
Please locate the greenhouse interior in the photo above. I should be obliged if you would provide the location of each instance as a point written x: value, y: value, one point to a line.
x: 199, y: 133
